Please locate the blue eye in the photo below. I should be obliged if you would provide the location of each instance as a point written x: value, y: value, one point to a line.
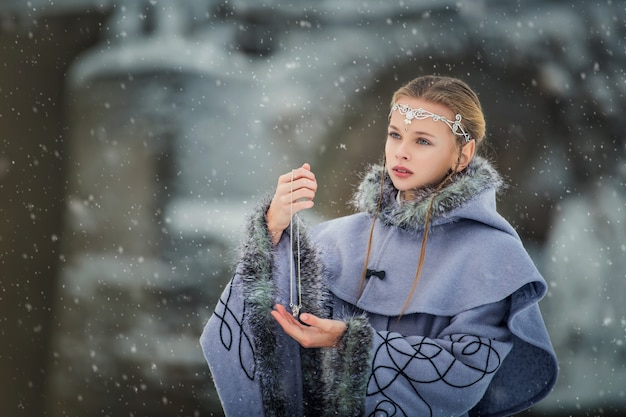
x: 394, y: 135
x: 422, y: 141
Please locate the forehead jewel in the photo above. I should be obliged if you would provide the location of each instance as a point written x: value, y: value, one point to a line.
x: 410, y: 114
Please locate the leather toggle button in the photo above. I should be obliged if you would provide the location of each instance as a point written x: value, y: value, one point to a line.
x: 377, y: 274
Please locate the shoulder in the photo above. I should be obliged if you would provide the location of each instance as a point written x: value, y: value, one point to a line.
x: 470, y: 264
x: 341, y: 227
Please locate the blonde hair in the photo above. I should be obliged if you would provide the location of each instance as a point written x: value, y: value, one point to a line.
x: 459, y: 97
x: 452, y: 93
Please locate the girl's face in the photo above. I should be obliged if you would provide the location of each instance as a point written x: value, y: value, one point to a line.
x: 421, y: 153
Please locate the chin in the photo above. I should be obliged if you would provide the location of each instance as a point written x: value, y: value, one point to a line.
x: 398, y: 187
x: 404, y: 189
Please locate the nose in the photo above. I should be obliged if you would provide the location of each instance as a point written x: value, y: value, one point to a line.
x: 401, y: 151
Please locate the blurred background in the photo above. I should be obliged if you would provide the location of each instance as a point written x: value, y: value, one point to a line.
x: 135, y: 136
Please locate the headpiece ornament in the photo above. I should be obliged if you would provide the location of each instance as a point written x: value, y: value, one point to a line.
x: 420, y: 114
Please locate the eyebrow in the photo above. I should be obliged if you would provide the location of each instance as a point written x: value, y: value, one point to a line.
x: 419, y: 132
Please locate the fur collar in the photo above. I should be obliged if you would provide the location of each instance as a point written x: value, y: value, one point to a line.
x: 478, y: 177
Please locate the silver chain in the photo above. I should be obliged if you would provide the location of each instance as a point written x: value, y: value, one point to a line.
x: 295, y: 308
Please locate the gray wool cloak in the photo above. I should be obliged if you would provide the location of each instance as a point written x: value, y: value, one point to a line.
x: 471, y: 341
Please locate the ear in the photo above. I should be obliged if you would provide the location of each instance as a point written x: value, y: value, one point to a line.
x: 467, y: 153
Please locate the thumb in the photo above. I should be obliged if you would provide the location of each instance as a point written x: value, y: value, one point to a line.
x: 309, y: 319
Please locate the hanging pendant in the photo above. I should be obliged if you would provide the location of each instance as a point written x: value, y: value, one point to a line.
x: 295, y: 288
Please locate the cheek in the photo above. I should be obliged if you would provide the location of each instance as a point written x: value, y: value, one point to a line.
x: 387, y: 147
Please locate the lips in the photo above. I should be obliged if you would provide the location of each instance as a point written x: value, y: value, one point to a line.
x: 401, y: 171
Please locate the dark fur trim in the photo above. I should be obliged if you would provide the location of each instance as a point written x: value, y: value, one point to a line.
x: 260, y: 296
x: 349, y: 365
x: 315, y: 300
x: 335, y: 380
x: 259, y: 292
x: 477, y: 177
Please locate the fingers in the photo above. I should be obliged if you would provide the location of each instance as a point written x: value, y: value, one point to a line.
x: 287, y: 321
x: 291, y: 326
x: 315, y: 332
x: 295, y: 191
x: 311, y: 320
x: 283, y: 314
x: 303, y: 171
x: 300, y: 191
x: 298, y: 185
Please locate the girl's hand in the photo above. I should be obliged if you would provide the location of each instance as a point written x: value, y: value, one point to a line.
x: 315, y: 333
x: 300, y: 193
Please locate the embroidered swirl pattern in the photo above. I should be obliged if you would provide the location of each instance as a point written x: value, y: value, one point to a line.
x: 413, y: 365
x: 231, y: 324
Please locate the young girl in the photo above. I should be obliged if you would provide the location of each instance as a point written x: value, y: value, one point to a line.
x: 424, y: 303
